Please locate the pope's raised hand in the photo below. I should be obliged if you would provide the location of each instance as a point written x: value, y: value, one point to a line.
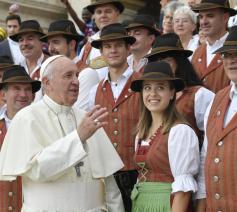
x: 92, y: 121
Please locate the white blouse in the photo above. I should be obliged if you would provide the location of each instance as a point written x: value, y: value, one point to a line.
x: 183, y: 153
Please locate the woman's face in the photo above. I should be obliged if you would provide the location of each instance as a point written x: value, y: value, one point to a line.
x: 183, y: 25
x: 167, y: 24
x: 157, y: 95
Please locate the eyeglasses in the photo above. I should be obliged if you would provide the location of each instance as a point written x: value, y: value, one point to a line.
x: 229, y: 55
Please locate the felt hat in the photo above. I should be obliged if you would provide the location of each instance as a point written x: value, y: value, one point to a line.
x: 27, y: 27
x: 145, y: 21
x: 157, y: 71
x: 113, y: 32
x: 62, y: 27
x: 168, y: 44
x: 116, y: 3
x: 18, y: 74
x: 230, y: 43
x: 214, y: 4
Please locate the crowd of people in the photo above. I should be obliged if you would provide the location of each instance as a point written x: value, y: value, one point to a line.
x: 135, y: 116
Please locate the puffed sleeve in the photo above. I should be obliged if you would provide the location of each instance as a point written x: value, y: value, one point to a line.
x: 183, y: 150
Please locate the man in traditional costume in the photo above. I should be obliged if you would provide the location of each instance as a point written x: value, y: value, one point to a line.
x: 115, y: 94
x: 213, y: 17
x: 63, y: 39
x: 17, y: 89
x: 105, y: 12
x: 65, y: 159
x: 217, y: 180
x: 142, y: 27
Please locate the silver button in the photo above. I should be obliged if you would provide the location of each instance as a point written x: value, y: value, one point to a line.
x: 115, y: 144
x: 199, y: 60
x: 10, y: 208
x: 218, y: 113
x: 126, y: 96
x: 215, y: 179
x: 217, y: 196
x: 220, y: 143
x: 205, y: 79
x: 115, y: 132
x: 104, y: 88
x: 115, y: 120
x: 10, y: 194
x: 217, y: 160
x: 219, y: 61
x: 219, y: 211
x: 0, y: 132
x: 130, y: 90
x: 36, y: 78
x: 115, y: 109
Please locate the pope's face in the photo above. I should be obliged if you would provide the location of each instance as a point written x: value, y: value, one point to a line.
x: 63, y: 87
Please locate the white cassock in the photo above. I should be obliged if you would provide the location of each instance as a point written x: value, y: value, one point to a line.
x: 42, y: 146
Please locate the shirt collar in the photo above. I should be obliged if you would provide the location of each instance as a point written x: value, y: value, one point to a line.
x: 39, y: 62
x: 3, y: 115
x: 233, y: 90
x: 126, y: 74
x: 12, y: 41
x: 220, y: 41
x: 55, y: 107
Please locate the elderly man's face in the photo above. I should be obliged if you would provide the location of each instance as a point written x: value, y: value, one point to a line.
x: 63, y: 87
x: 230, y: 65
x: 105, y: 15
x: 30, y: 45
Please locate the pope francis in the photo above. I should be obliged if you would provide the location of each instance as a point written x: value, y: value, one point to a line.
x: 63, y: 155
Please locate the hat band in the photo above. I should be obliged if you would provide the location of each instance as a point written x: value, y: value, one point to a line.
x: 113, y: 35
x: 166, y: 48
x: 18, y: 78
x: 230, y: 43
x: 158, y: 74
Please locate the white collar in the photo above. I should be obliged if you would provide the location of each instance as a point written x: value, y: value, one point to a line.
x: 39, y: 62
x: 3, y: 115
x: 219, y: 41
x: 233, y: 90
x: 55, y: 107
x: 126, y: 74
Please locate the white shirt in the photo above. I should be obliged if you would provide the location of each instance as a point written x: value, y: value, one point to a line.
x: 183, y: 152
x: 94, y: 52
x: 116, y: 87
x: 216, y: 45
x: 141, y: 64
x: 193, y: 44
x: 15, y: 51
x: 203, y: 97
x: 39, y: 62
x: 201, y: 194
x: 87, y: 79
x: 3, y: 115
